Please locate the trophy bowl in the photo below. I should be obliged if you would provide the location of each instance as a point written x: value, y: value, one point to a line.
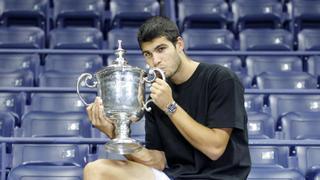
x: 122, y: 90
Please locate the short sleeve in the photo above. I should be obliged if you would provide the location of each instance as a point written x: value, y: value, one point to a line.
x: 226, y: 105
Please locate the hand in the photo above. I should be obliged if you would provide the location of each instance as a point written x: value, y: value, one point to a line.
x: 98, y: 119
x: 161, y: 94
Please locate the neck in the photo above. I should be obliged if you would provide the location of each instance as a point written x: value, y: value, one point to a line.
x: 184, y: 71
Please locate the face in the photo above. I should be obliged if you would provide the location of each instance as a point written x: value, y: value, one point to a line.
x: 161, y: 53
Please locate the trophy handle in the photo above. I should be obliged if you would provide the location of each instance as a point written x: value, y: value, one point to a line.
x: 153, y: 70
x: 86, y: 77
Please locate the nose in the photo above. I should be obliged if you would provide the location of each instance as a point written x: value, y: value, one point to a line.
x: 156, y: 59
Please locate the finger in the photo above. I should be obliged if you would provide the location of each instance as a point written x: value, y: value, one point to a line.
x: 89, y: 111
x: 95, y: 119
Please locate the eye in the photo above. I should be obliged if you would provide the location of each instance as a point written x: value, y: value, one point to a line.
x: 160, y: 49
x: 147, y: 55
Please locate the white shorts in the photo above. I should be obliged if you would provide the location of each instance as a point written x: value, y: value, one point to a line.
x: 159, y: 175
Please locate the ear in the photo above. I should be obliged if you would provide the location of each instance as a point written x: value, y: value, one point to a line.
x: 180, y: 44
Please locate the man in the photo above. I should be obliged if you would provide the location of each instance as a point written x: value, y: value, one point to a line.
x: 197, y: 127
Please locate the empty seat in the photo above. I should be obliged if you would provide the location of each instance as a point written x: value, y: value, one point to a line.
x: 300, y: 125
x: 260, y: 125
x: 21, y: 37
x: 13, y: 102
x: 305, y: 14
x: 232, y: 62
x: 244, y: 78
x: 208, y: 39
x: 132, y: 13
x: 7, y: 122
x: 128, y: 35
x: 308, y: 40
x: 254, y: 103
x: 257, y: 14
x: 58, y: 102
x: 133, y: 60
x: 88, y: 13
x: 74, y: 63
x: 274, y: 173
x: 308, y: 159
x: 50, y: 124
x: 282, y: 104
x: 258, y: 64
x: 17, y: 79
x: 52, y: 153
x: 58, y: 79
x: 29, y: 13
x: 33, y: 171
x: 286, y: 80
x: 313, y: 65
x: 76, y: 38
x: 265, y: 39
x: 269, y: 156
x: 203, y: 14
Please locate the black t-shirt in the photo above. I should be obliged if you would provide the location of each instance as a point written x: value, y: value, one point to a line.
x: 213, y: 96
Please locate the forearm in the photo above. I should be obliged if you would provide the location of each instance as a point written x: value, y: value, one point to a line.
x: 152, y: 158
x: 211, y: 142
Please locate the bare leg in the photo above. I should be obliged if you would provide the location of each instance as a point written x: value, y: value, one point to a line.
x: 105, y: 169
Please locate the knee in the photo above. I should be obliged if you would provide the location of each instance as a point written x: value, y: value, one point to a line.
x: 102, y: 168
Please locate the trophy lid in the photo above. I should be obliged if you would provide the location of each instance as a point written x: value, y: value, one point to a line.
x: 120, y: 60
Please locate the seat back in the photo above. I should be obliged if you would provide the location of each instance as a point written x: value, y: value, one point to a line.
x: 274, y: 173
x: 208, y: 39
x: 269, y: 156
x: 265, y: 39
x: 87, y: 13
x: 260, y: 125
x: 13, y: 102
x: 232, y: 62
x: 305, y: 14
x: 258, y: 64
x: 17, y: 79
x: 308, y: 40
x: 22, y: 37
x: 127, y: 34
x: 308, y: 158
x: 7, y: 123
x: 132, y: 13
x: 75, y: 38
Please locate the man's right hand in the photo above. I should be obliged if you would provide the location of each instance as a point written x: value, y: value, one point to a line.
x: 98, y: 119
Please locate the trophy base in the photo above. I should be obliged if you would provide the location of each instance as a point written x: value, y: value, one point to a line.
x: 123, y: 146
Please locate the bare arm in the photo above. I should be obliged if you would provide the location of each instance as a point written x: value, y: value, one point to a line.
x: 152, y: 158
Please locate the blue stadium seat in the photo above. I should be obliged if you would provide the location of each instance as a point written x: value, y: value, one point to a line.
x: 133, y: 60
x: 17, y: 79
x: 254, y: 103
x: 267, y: 173
x: 313, y: 65
x: 76, y: 38
x: 65, y: 153
x: 308, y: 159
x: 25, y: 13
x: 58, y: 102
x: 300, y: 125
x: 72, y: 63
x: 309, y: 40
x: 89, y: 13
x: 305, y: 14
x: 245, y: 79
x: 258, y: 64
x: 7, y: 123
x: 265, y: 39
x: 132, y: 13
x: 58, y: 79
x: 203, y: 14
x: 232, y: 62
x: 128, y: 35
x: 50, y: 124
x: 286, y: 80
x: 18, y: 62
x: 260, y: 125
x: 282, y: 104
x: 138, y: 130
x: 208, y: 39
x: 34, y: 171
x: 257, y: 14
x: 21, y: 37
x: 269, y: 156
x: 13, y: 102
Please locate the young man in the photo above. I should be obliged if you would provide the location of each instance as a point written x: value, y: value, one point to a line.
x: 197, y: 128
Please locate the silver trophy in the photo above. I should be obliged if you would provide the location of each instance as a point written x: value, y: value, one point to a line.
x: 122, y: 89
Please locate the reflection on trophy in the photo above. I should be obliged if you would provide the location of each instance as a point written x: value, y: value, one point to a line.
x: 121, y: 88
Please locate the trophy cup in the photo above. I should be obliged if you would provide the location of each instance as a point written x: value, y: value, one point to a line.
x: 122, y: 89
